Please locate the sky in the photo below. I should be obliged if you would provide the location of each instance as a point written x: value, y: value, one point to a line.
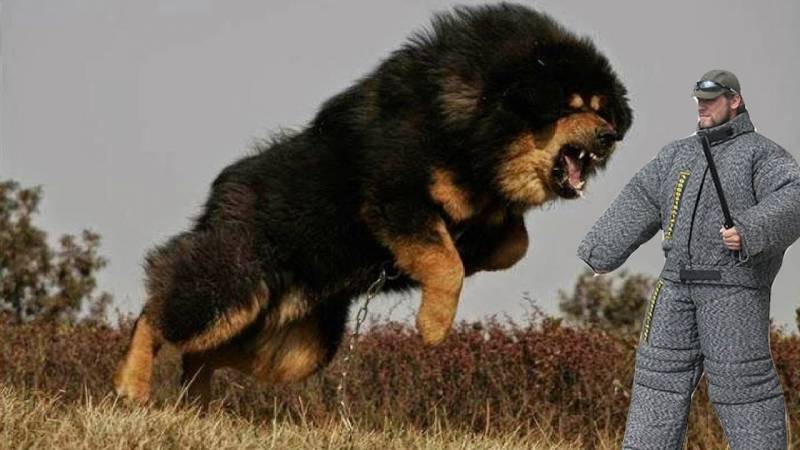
x: 125, y: 111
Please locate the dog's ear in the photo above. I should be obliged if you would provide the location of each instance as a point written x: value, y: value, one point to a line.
x: 537, y: 100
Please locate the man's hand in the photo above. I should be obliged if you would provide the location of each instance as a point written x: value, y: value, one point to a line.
x: 731, y: 238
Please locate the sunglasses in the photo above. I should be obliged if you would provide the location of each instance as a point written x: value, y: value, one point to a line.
x: 711, y: 86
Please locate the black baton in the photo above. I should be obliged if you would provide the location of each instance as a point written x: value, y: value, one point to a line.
x: 715, y: 177
x: 725, y: 211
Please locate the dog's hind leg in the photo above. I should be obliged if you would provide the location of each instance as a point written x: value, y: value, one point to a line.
x: 291, y: 350
x: 132, y: 379
x: 204, y: 288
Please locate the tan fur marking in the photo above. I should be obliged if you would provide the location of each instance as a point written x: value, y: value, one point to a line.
x: 596, y: 102
x: 459, y: 99
x: 438, y: 268
x: 285, y: 353
x: 578, y: 127
x: 300, y: 355
x: 227, y: 326
x: 524, y: 174
x: 132, y: 379
x: 292, y: 306
x: 576, y: 101
x: 454, y: 200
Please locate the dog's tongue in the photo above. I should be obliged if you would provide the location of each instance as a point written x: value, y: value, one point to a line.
x: 574, y: 171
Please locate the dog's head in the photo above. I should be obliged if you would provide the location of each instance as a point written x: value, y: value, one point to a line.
x: 573, y: 111
x: 544, y: 103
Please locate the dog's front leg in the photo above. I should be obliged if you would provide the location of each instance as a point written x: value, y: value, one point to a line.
x: 431, y: 259
x: 493, y: 246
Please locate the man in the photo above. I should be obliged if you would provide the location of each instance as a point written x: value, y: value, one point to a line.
x: 709, y: 311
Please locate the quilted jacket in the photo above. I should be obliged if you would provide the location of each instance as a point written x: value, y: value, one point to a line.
x: 674, y: 192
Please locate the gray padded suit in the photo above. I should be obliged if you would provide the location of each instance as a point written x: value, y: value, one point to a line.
x: 713, y: 317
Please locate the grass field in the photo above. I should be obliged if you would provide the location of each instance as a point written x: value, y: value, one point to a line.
x: 32, y: 421
x: 491, y: 385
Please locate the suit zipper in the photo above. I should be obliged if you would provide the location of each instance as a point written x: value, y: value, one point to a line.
x: 691, y: 224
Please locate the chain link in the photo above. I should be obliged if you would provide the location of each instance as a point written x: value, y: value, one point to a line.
x: 374, y: 290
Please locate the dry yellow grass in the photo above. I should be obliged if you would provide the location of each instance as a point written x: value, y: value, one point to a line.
x: 544, y: 385
x: 37, y: 421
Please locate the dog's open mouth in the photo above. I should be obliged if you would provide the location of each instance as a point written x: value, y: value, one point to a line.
x: 572, y: 166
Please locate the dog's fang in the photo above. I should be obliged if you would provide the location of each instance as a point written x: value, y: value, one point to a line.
x: 583, y: 153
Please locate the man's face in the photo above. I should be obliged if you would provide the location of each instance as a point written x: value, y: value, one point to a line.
x: 715, y: 111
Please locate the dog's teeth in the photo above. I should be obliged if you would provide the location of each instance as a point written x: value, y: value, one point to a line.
x: 580, y: 185
x: 583, y: 153
x: 594, y: 157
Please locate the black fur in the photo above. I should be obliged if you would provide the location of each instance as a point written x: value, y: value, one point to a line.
x: 293, y: 214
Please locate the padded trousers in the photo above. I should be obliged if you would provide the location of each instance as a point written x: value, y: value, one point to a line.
x: 692, y: 328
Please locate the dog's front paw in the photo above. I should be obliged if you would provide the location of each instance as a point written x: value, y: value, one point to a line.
x: 134, y: 394
x: 434, y: 326
x: 132, y: 388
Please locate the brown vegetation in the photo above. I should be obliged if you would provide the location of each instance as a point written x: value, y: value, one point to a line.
x: 496, y: 379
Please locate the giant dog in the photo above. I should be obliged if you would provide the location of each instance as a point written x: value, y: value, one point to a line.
x: 424, y: 166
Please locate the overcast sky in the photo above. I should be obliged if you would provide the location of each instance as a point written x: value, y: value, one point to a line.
x: 125, y: 111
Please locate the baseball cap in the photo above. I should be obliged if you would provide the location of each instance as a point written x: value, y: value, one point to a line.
x: 715, y: 83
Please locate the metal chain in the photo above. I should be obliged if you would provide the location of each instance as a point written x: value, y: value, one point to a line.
x: 373, y: 290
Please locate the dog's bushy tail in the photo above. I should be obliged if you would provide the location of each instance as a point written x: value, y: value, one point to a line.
x: 204, y: 286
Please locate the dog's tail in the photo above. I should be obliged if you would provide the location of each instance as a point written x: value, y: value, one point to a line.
x: 205, y: 287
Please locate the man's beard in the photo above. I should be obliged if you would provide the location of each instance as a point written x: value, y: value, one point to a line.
x: 714, y: 123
